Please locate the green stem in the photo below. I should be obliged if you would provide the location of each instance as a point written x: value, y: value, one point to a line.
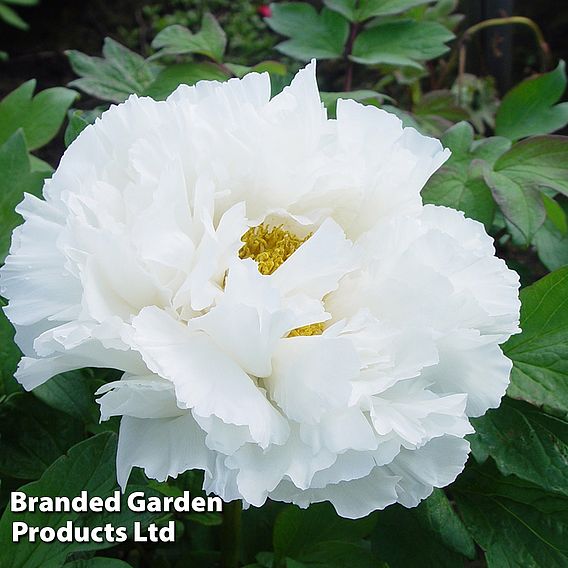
x: 458, y: 54
x: 354, y: 30
x: 415, y: 92
x: 231, y: 546
x: 519, y: 20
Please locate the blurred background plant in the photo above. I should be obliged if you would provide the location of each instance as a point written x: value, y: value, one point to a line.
x: 487, y: 77
x: 10, y: 16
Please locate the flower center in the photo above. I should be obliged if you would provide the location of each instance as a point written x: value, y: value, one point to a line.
x: 311, y: 329
x: 270, y: 248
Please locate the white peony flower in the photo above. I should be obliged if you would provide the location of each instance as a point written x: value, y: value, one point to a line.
x: 288, y: 316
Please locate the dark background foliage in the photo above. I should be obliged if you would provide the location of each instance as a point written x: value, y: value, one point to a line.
x: 64, y: 24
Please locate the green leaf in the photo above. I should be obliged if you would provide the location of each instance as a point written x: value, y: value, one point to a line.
x: 88, y: 466
x: 401, y: 42
x: 21, y: 2
x: 338, y: 554
x: 11, y: 17
x: 459, y: 183
x: 347, y: 8
x: 321, y: 35
x: 297, y: 531
x: 78, y: 121
x: 77, y: 124
x: 257, y: 525
x: 114, y: 77
x: 33, y: 436
x: 39, y: 165
x: 529, y: 108
x: 40, y: 117
x: 17, y: 178
x: 430, y: 535
x: 540, y: 352
x: 173, y: 76
x: 535, y: 164
x: 273, y: 67
x: 551, y: 246
x: 270, y: 66
x: 98, y: 562
x: 407, y: 118
x: 525, y: 442
x: 521, y: 204
x: 206, y: 519
x: 72, y: 393
x: 291, y: 563
x: 210, y: 41
x: 538, y: 162
x: 330, y: 99
x: 452, y: 187
x: 361, y: 10
x: 515, y: 522
x: 555, y: 213
x: 438, y: 110
x: 9, y: 356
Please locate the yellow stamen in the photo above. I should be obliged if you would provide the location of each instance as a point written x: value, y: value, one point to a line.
x: 270, y: 248
x: 311, y: 329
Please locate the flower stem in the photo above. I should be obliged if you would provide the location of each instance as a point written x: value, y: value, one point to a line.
x: 231, y: 546
x: 519, y: 20
x: 458, y: 55
x: 353, y: 31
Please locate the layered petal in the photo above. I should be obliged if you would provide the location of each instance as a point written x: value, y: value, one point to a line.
x: 205, y: 379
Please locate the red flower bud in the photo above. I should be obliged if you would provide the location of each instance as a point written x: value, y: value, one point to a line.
x: 264, y: 11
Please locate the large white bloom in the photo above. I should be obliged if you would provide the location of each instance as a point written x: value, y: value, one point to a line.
x: 289, y: 317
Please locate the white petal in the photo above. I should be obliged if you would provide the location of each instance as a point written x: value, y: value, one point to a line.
x: 222, y: 481
x: 248, y: 319
x: 139, y: 397
x: 473, y: 364
x: 34, y: 277
x: 222, y: 437
x: 436, y: 464
x: 352, y: 499
x: 316, y: 267
x: 347, y: 429
x: 205, y: 379
x: 163, y: 447
x: 260, y: 472
x: 380, y: 167
x: 312, y: 375
x: 115, y: 282
x: 33, y: 372
x: 253, y: 89
x: 417, y: 415
x: 487, y: 278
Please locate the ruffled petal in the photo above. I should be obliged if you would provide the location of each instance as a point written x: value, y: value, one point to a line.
x: 317, y: 266
x: 249, y: 319
x: 162, y: 447
x: 205, y: 379
x: 35, y: 278
x: 472, y: 364
x: 436, y: 464
x: 311, y: 376
x: 140, y: 397
x: 352, y: 499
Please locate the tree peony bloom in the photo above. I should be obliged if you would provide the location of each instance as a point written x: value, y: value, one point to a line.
x: 288, y: 316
